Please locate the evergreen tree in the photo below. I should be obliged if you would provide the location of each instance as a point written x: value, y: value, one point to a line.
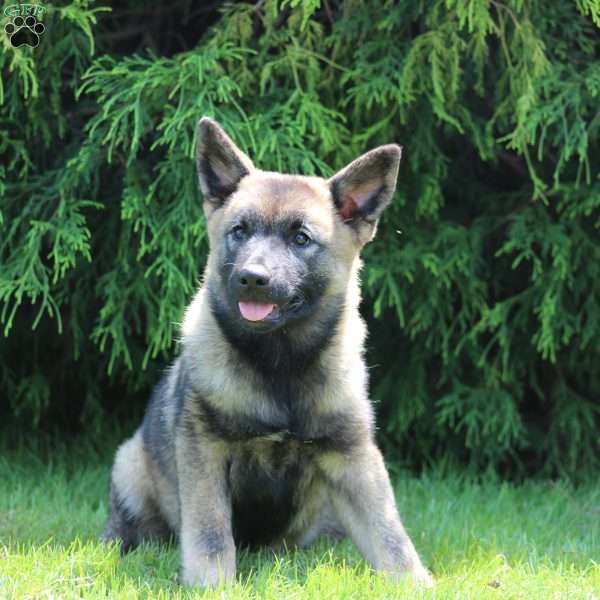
x: 482, y: 289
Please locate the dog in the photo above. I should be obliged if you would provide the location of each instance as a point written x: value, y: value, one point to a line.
x: 262, y: 433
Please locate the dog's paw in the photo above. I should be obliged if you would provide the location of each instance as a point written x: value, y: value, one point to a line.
x: 190, y: 579
x: 419, y: 577
x: 211, y: 578
x: 24, y: 32
x: 422, y: 578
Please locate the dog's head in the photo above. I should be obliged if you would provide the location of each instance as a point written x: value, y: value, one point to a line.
x: 282, y: 246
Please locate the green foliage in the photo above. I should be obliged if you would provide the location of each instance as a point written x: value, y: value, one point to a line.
x: 483, y: 286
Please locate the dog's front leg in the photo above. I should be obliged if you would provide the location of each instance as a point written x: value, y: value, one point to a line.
x: 364, y: 503
x: 207, y: 546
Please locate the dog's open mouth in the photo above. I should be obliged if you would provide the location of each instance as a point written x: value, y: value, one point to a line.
x: 256, y: 311
x: 259, y: 311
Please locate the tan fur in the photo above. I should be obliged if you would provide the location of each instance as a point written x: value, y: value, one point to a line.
x: 188, y: 475
x: 130, y: 473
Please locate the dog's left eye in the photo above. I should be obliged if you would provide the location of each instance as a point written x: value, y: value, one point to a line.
x: 239, y: 232
x: 301, y: 239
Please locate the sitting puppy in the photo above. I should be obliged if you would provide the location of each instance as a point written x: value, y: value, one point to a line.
x: 261, y: 432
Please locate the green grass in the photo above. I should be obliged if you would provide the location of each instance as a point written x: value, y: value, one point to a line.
x: 481, y: 540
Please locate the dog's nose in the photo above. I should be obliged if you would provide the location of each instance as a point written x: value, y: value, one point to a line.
x: 254, y: 276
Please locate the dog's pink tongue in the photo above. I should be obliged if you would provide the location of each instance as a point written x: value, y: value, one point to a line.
x: 255, y: 311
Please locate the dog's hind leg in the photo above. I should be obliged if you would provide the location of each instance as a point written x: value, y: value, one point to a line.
x: 133, y: 513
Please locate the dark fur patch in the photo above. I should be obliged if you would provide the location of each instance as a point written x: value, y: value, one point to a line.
x: 218, y: 190
x: 132, y: 529
x: 395, y: 544
x: 122, y: 525
x: 263, y: 504
x: 278, y: 356
x: 212, y: 541
x: 234, y: 428
x: 180, y: 390
x: 336, y: 432
x: 158, y: 440
x: 333, y: 432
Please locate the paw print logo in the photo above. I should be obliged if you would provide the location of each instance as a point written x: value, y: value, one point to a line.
x: 24, y: 31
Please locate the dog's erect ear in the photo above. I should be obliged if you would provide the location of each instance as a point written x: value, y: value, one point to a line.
x: 221, y: 164
x: 365, y: 187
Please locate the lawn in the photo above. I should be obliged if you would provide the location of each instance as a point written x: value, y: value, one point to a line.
x: 481, y: 539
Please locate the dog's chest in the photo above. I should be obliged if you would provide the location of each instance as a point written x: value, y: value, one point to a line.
x: 266, y: 480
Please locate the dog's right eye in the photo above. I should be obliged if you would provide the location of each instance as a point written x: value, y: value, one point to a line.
x: 239, y: 232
